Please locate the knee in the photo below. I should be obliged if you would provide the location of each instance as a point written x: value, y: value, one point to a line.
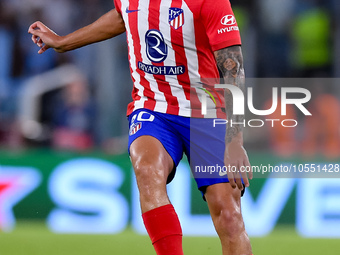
x: 230, y: 223
x: 150, y: 174
x: 149, y: 169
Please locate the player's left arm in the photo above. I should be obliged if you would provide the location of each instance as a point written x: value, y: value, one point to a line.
x: 230, y: 63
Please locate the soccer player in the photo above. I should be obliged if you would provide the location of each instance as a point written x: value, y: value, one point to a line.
x: 173, y: 43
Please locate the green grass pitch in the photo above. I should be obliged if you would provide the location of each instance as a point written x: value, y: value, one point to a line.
x: 34, y: 239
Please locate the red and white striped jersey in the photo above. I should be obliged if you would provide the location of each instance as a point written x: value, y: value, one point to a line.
x: 171, y: 45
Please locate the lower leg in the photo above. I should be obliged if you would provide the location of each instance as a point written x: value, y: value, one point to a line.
x: 164, y: 229
x: 225, y: 209
x: 160, y: 219
x: 233, y: 237
x: 152, y: 165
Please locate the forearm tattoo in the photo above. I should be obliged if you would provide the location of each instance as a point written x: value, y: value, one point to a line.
x: 230, y: 63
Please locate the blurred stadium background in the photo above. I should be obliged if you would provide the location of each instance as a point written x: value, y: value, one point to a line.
x: 66, y: 184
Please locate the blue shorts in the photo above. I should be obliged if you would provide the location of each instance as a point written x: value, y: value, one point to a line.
x: 202, y: 140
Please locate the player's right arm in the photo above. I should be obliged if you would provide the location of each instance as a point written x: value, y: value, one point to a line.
x: 107, y: 26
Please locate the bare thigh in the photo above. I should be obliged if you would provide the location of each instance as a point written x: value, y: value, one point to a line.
x: 152, y: 165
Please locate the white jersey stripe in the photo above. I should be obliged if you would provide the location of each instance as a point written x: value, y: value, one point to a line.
x: 176, y: 88
x: 191, y: 54
x: 161, y: 104
x: 140, y: 103
x: 190, y: 45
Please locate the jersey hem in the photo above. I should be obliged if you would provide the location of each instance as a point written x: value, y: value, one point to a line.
x: 225, y: 44
x: 195, y: 113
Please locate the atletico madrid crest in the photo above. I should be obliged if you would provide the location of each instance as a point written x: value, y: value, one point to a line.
x: 135, y: 127
x: 176, y: 17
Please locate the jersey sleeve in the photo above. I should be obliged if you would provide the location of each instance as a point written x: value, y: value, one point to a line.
x: 118, y: 6
x: 220, y: 24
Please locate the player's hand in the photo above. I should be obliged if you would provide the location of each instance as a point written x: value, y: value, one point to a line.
x: 44, y: 37
x: 237, y: 162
